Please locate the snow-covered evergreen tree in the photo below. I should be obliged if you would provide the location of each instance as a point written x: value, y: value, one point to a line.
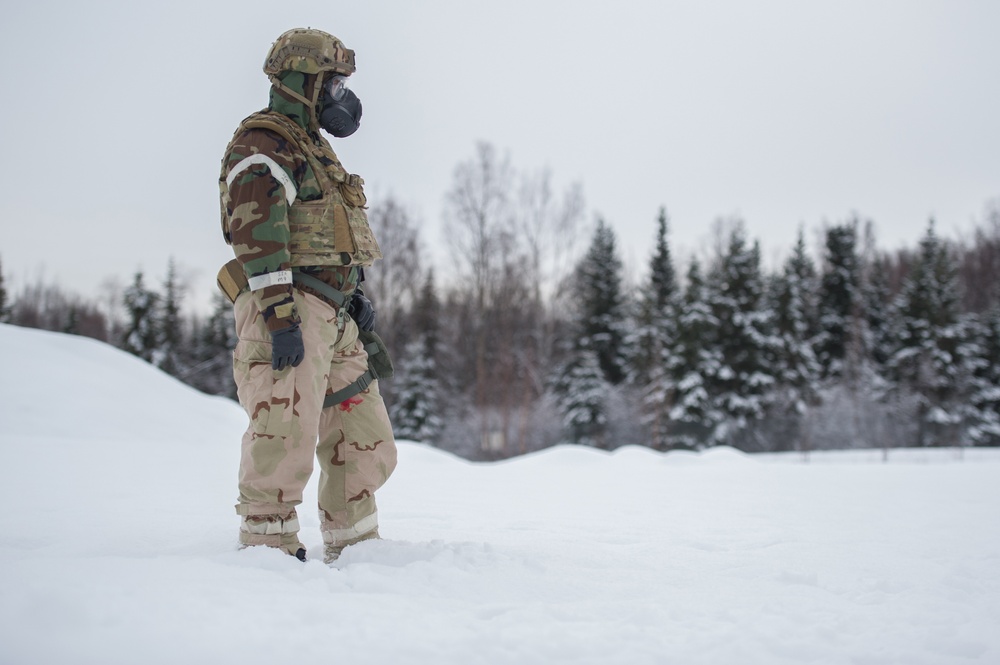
x: 983, y: 409
x: 170, y: 352
x: 141, y: 336
x: 933, y: 359
x: 426, y: 315
x: 595, y: 350
x: 646, y: 336
x: 796, y: 369
x: 600, y: 303
x: 415, y: 408
x: 650, y: 342
x: 744, y: 381
x: 418, y: 386
x: 4, y: 305
x: 662, y: 278
x: 211, y: 369
x: 880, y: 319
x: 582, y: 391
x: 694, y: 416
x: 838, y: 298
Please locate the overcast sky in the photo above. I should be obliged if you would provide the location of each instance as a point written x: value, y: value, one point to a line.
x: 115, y: 115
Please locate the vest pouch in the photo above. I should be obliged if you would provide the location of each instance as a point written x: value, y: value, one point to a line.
x: 365, y: 247
x: 353, y: 190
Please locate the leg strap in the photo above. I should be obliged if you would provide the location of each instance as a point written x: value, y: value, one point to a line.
x: 350, y: 391
x: 353, y: 389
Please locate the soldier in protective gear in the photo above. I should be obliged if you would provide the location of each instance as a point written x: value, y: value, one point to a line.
x: 296, y: 221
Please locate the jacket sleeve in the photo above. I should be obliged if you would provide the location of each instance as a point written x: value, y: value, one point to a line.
x: 260, y: 170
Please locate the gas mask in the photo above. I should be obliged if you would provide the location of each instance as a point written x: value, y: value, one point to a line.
x: 339, y: 109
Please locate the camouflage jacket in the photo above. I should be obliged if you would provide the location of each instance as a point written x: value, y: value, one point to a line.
x: 261, y: 191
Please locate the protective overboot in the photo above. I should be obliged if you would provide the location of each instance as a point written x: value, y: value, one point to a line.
x: 278, y: 531
x: 334, y: 548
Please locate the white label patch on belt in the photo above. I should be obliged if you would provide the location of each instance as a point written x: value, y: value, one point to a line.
x: 270, y: 279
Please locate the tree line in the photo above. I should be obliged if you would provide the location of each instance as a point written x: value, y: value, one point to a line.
x: 537, y: 337
x: 147, y: 321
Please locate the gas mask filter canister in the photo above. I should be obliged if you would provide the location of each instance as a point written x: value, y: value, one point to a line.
x: 339, y: 108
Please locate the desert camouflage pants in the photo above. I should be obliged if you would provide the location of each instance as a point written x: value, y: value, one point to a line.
x: 289, y: 428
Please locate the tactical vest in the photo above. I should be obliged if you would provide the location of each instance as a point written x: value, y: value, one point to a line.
x: 330, y: 231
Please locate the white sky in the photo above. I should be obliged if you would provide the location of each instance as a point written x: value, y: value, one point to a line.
x: 115, y: 115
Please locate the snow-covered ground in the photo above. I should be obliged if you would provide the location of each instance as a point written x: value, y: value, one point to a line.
x: 118, y: 545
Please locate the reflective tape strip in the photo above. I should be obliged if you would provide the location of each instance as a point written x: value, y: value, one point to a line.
x: 364, y: 525
x: 270, y: 279
x: 270, y: 527
x: 279, y: 174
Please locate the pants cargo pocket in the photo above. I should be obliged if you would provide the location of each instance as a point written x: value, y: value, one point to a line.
x: 265, y: 394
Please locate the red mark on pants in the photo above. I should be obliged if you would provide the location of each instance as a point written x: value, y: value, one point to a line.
x: 350, y: 403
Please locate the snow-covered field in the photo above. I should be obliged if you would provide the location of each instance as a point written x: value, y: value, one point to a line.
x: 118, y: 545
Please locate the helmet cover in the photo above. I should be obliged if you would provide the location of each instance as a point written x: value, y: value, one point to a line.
x: 309, y: 51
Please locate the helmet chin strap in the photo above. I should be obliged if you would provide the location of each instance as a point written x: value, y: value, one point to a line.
x: 317, y: 91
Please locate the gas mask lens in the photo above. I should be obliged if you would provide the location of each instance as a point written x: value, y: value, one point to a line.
x: 336, y: 88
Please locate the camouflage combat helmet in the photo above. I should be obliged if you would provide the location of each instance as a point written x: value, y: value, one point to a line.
x: 309, y: 51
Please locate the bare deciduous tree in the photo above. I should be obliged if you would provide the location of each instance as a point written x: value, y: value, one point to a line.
x: 980, y: 263
x: 478, y: 216
x: 549, y: 228
x: 392, y: 283
x: 488, y: 246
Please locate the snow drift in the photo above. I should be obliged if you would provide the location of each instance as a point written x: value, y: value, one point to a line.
x: 118, y: 545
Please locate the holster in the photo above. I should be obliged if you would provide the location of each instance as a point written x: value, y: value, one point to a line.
x: 379, y: 362
x: 232, y: 280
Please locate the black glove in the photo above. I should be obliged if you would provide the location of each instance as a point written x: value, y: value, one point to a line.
x: 361, y: 310
x: 287, y: 348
